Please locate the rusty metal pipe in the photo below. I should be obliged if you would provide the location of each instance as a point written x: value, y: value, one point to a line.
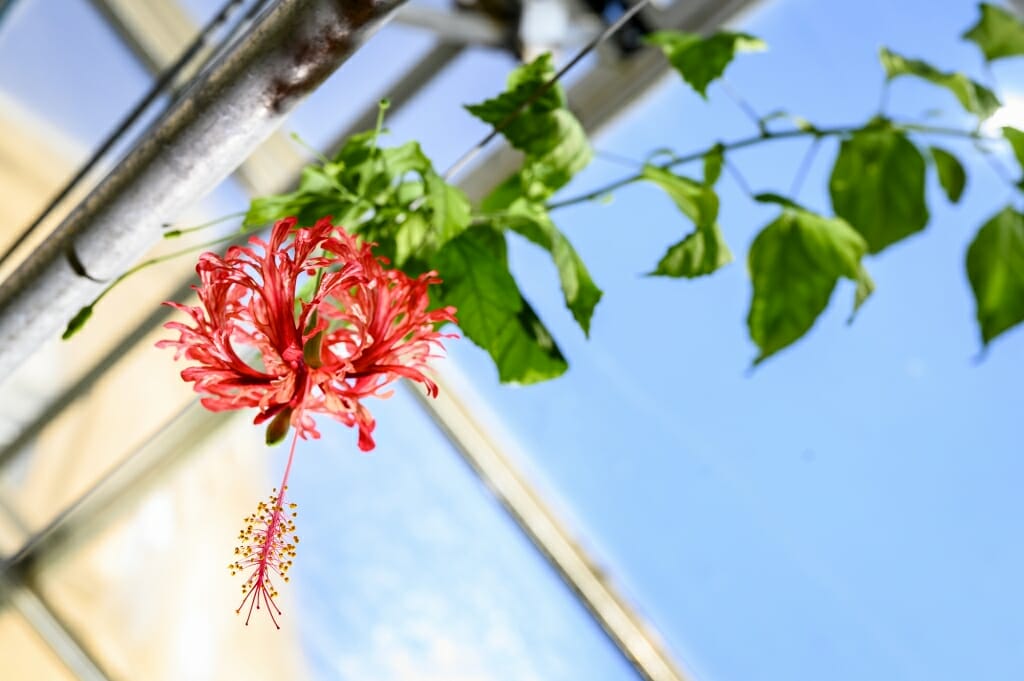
x: 214, y: 126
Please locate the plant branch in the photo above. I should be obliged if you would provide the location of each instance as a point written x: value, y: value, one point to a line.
x: 767, y: 136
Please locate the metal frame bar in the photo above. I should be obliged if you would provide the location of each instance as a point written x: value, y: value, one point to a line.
x: 619, y: 620
x: 208, y: 132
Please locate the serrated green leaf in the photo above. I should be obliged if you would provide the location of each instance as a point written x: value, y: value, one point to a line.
x: 266, y: 209
x: 704, y: 250
x: 701, y: 60
x: 998, y: 33
x: 973, y: 96
x: 450, y: 209
x: 952, y: 175
x: 995, y: 268
x: 492, y: 312
x: 578, y: 288
x: 696, y: 200
x: 523, y: 84
x: 878, y: 186
x: 701, y: 252
x: 551, y: 137
x: 1016, y: 139
x: 410, y: 236
x: 548, y: 169
x: 713, y: 162
x: 532, y: 128
x: 405, y: 158
x: 795, y: 263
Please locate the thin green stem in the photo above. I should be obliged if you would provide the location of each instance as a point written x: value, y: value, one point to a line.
x: 767, y: 136
x: 308, y: 147
x: 161, y: 259
x: 174, y: 233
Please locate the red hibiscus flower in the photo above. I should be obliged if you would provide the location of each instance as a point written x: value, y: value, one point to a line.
x: 309, y: 323
x: 258, y: 343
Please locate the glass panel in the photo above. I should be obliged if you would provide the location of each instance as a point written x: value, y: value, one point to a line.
x: 845, y: 507
x: 25, y: 655
x: 89, y: 79
x: 406, y: 569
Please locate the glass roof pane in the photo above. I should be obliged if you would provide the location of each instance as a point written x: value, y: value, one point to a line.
x: 89, y: 81
x: 25, y: 655
x: 407, y: 569
x: 849, y: 505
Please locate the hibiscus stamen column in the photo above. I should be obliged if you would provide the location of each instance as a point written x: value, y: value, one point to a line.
x: 268, y: 547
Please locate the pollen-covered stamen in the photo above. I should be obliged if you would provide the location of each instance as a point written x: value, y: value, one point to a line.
x: 266, y: 552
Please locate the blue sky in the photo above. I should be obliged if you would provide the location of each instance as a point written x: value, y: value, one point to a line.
x: 849, y: 510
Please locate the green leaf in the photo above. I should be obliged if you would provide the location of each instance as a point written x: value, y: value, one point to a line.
x: 713, y: 162
x: 449, y: 209
x: 998, y: 33
x: 995, y: 268
x: 777, y: 199
x: 795, y: 263
x: 701, y: 60
x: 697, y: 201
x: 492, y: 312
x: 973, y: 96
x: 266, y: 209
x: 410, y: 235
x: 952, y: 176
x: 581, y: 293
x: 553, y: 140
x: 701, y: 252
x: 523, y: 84
x: 704, y: 250
x: 1016, y: 139
x: 878, y: 186
x: 548, y: 169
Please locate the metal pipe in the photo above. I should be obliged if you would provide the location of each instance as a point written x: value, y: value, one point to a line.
x: 213, y: 127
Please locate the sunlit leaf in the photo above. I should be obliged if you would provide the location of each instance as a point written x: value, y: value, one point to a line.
x: 878, y: 186
x: 1016, y: 139
x: 578, y: 288
x: 998, y: 33
x: 701, y: 60
x: 952, y: 176
x: 704, y: 250
x: 701, y: 252
x: 794, y: 264
x: 713, y: 162
x: 995, y: 267
x: 492, y: 311
x: 553, y: 140
x: 973, y: 96
x: 696, y: 200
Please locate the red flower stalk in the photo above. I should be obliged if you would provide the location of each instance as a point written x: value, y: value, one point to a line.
x: 359, y: 328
